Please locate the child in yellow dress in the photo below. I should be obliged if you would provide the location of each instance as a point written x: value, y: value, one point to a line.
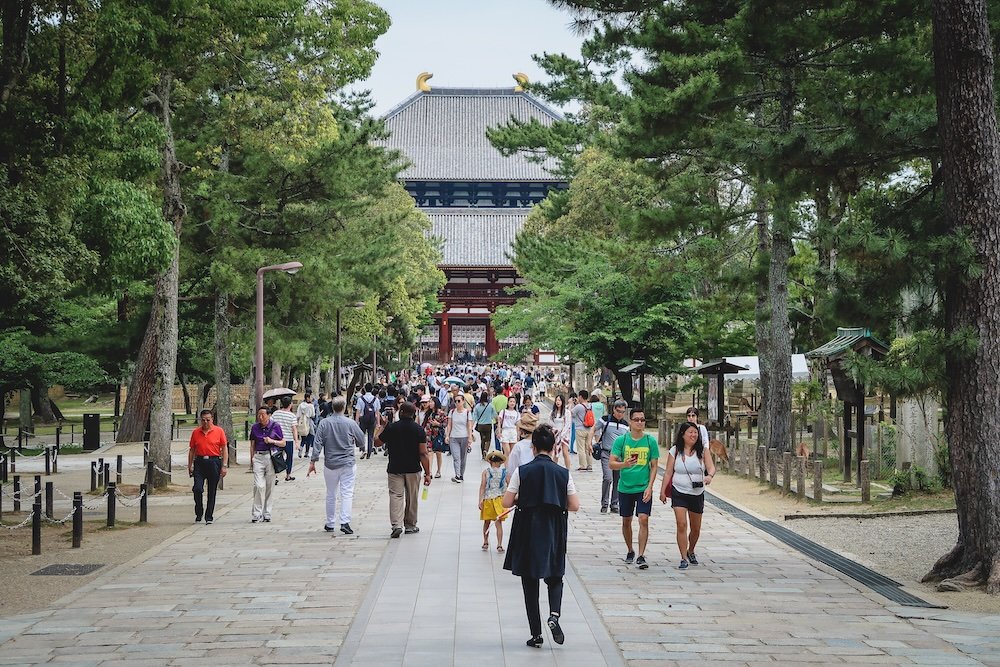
x: 491, y: 490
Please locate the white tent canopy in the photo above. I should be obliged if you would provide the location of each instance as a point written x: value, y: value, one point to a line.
x: 800, y: 370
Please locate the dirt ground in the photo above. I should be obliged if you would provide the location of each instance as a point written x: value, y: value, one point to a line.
x: 902, y: 547
x: 170, y: 511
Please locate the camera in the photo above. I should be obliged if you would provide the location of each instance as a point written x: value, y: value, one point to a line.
x: 697, y: 485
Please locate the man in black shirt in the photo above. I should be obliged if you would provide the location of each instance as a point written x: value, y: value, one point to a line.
x: 406, y: 444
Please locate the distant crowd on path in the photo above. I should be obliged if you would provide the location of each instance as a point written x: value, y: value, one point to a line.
x: 416, y: 418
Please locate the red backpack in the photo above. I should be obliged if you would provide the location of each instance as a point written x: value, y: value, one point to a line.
x: 588, y: 416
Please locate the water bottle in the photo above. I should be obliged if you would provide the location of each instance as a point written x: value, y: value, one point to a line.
x: 423, y: 494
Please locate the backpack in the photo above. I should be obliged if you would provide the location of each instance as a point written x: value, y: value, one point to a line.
x: 588, y: 416
x: 367, y: 413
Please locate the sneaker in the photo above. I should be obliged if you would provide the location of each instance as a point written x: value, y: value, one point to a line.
x: 255, y: 520
x: 396, y: 532
x: 346, y: 529
x: 208, y: 522
x: 629, y: 557
x: 557, y: 633
x: 330, y: 529
x: 267, y: 519
x: 614, y: 508
x: 683, y: 565
x: 535, y: 642
x: 641, y: 562
x: 604, y: 510
x: 197, y: 519
x: 692, y: 558
x: 410, y: 531
x: 455, y: 479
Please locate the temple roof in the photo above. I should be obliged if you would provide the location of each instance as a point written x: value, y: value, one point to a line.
x: 442, y: 132
x: 476, y: 236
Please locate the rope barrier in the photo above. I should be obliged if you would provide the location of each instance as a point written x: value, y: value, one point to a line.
x: 25, y: 456
x: 24, y: 523
x: 161, y: 470
x: 20, y: 496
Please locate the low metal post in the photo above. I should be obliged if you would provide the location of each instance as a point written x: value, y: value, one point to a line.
x: 114, y: 429
x: 38, y: 488
x: 818, y: 480
x: 786, y: 482
x: 20, y: 438
x: 866, y: 482
x: 12, y: 453
x: 149, y: 474
x: 800, y: 477
x: 58, y: 436
x: 112, y: 501
x: 143, y: 513
x: 48, y: 461
x: 107, y: 475
x: 100, y: 472
x: 772, y: 466
x: 77, y: 519
x: 93, y: 476
x: 17, y: 493
x: 4, y: 468
x: 36, y: 528
x: 55, y: 460
x: 246, y: 430
x: 48, y: 499
x: 118, y: 469
x: 72, y: 434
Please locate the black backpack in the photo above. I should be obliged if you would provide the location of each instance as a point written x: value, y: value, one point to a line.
x: 367, y: 413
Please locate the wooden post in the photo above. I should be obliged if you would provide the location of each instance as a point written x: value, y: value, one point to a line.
x: 12, y: 453
x: 100, y: 473
x: 112, y: 500
x: 118, y: 469
x: 143, y: 514
x: 17, y: 493
x: 762, y: 463
x: 77, y: 519
x: 786, y: 480
x: 818, y: 480
x: 107, y: 475
x: 860, y: 434
x: 866, y: 484
x: 800, y: 477
x: 772, y: 466
x: 36, y: 528
x: 48, y: 499
x: 846, y: 453
x: 93, y: 476
x: 55, y: 460
x: 48, y: 461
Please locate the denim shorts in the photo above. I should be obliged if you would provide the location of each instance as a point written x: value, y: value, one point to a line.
x: 632, y: 503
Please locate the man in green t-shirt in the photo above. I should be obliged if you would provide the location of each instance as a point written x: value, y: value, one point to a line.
x: 635, y: 454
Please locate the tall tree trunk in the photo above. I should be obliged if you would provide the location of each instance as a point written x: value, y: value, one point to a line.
x: 223, y: 387
x: 24, y: 411
x: 275, y: 374
x: 314, y: 369
x: 161, y: 414
x: 186, y: 394
x: 41, y: 404
x: 625, y: 386
x: 301, y: 382
x: 139, y: 400
x: 332, y: 383
x: 780, y: 399
x: 762, y: 315
x: 970, y: 164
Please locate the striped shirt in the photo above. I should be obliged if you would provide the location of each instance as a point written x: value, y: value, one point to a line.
x: 286, y: 420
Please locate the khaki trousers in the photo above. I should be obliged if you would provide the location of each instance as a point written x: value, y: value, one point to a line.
x: 583, y: 436
x: 403, y: 490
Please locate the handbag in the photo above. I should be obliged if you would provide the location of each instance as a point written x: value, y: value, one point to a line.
x: 278, y: 460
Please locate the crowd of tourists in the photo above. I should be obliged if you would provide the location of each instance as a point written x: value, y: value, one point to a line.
x: 419, y: 418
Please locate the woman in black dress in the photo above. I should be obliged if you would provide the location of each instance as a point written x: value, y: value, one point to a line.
x: 543, y: 492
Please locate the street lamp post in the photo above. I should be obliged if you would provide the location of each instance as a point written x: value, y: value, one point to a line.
x: 291, y: 268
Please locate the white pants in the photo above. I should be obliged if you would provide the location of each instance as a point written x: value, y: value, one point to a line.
x: 339, y: 484
x: 263, y: 485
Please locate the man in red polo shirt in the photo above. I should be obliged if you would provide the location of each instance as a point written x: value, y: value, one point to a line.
x: 208, y: 460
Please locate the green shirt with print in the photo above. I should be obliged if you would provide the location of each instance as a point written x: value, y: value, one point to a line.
x: 636, y: 478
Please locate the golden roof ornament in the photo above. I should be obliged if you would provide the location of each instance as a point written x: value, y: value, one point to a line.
x: 522, y: 81
x: 422, y: 84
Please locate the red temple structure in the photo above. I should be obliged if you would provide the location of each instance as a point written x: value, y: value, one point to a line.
x: 477, y: 200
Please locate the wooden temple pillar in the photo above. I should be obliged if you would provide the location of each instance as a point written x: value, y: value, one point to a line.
x: 492, y: 346
x: 444, y: 340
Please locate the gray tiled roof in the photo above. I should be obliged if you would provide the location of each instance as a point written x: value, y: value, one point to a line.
x: 476, y: 236
x: 443, y: 134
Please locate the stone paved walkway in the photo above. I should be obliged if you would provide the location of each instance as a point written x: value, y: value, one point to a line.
x: 287, y: 592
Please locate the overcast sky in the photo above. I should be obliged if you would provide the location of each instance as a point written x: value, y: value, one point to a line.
x: 469, y: 43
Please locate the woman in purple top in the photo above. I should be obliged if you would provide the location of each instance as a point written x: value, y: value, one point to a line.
x: 265, y: 435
